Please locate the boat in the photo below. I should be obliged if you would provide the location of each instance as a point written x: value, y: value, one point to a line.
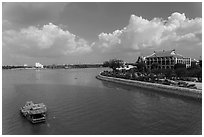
x: 35, y: 113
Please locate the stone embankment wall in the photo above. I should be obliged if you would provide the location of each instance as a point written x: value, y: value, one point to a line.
x: 194, y: 93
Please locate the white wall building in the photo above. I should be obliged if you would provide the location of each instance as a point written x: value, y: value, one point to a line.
x: 126, y: 67
x: 38, y: 65
x: 166, y: 59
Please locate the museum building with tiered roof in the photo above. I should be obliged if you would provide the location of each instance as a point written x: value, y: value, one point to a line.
x: 166, y: 59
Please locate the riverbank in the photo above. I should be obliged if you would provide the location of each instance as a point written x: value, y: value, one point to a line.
x: 193, y: 93
x: 64, y: 66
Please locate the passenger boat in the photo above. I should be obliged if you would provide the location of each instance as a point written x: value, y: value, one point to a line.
x: 35, y: 113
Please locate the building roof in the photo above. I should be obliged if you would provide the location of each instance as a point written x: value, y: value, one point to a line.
x: 194, y: 60
x: 169, y: 53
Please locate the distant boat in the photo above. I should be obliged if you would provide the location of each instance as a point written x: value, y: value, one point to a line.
x: 35, y: 113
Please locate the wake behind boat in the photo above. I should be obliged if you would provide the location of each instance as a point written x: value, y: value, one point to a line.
x: 35, y: 113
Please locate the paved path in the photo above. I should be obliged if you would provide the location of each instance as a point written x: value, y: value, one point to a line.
x: 198, y: 84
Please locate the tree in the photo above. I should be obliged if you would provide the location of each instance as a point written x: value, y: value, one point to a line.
x: 181, y: 72
x: 195, y: 72
x: 156, y: 71
x: 169, y: 73
x: 106, y: 64
x: 155, y: 66
x: 179, y: 65
x: 141, y: 67
x: 200, y: 63
x: 199, y: 74
x: 115, y: 63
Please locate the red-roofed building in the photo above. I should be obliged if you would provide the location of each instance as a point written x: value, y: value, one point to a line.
x: 166, y: 59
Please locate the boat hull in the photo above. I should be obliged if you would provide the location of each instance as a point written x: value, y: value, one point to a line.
x: 32, y: 120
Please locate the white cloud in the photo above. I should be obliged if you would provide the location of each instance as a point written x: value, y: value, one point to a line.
x: 112, y: 39
x: 141, y: 33
x: 50, y: 40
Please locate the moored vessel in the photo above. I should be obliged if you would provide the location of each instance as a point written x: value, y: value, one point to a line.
x: 35, y: 113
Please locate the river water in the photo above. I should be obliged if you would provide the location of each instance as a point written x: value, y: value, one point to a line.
x: 78, y: 103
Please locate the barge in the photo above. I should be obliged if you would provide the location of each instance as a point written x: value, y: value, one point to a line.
x: 35, y: 113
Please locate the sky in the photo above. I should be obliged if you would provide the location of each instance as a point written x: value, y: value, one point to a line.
x: 88, y: 32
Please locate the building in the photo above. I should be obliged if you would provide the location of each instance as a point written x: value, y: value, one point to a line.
x: 166, y: 60
x: 38, y: 65
x: 140, y: 59
x: 126, y: 67
x: 200, y: 63
x: 194, y: 62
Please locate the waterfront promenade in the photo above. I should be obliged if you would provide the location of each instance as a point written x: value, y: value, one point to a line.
x: 198, y: 85
x: 193, y: 93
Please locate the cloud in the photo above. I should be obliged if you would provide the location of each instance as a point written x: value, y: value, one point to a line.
x: 29, y: 13
x: 110, y: 39
x: 48, y: 41
x: 141, y: 33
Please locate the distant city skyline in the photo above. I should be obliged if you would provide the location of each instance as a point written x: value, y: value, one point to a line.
x: 84, y: 32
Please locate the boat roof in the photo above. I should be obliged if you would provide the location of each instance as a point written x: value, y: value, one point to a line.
x: 32, y: 108
x: 37, y: 111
